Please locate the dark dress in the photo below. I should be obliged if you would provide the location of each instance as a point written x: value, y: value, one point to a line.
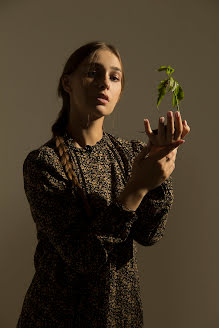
x: 86, y: 272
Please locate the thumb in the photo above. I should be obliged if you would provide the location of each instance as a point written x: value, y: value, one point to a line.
x: 167, y: 149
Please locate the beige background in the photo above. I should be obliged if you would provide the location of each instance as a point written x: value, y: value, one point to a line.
x: 179, y: 274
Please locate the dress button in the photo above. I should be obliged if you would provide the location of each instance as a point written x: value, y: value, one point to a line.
x: 89, y: 148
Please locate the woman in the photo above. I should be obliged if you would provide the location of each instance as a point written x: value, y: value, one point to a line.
x: 93, y: 196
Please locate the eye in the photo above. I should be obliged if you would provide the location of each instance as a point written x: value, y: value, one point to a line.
x: 90, y: 72
x: 116, y: 78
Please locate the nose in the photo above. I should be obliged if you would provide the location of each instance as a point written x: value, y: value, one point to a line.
x: 103, y: 83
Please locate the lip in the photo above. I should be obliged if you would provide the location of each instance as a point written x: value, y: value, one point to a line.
x: 103, y: 96
x: 103, y: 101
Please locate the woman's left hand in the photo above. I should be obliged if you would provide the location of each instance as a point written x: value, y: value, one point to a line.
x: 167, y: 134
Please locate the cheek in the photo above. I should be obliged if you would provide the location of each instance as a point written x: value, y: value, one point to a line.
x: 84, y: 85
x: 82, y: 90
x: 117, y: 93
x: 86, y: 88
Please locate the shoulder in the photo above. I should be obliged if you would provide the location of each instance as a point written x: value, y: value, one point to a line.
x: 45, y: 158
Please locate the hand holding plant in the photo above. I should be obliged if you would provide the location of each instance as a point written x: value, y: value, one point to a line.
x: 168, y: 134
x: 156, y: 161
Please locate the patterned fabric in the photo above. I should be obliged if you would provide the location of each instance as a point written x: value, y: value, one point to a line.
x: 86, y: 272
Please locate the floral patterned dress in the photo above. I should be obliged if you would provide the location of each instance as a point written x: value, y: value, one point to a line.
x: 86, y: 272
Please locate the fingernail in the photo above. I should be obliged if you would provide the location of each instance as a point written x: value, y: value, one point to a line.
x: 169, y: 114
x: 185, y: 122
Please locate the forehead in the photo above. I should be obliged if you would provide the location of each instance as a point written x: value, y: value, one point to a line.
x: 104, y: 58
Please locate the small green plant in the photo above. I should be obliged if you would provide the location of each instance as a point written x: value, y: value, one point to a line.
x: 174, y: 86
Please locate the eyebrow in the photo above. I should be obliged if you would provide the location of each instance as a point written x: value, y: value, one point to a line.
x: 113, y: 67
x: 116, y: 68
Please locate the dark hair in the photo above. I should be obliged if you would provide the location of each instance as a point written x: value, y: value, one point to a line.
x: 88, y: 51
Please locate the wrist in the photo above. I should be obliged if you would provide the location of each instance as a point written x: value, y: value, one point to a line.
x: 132, y: 186
x: 131, y: 196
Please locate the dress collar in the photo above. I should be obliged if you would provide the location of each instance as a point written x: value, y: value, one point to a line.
x: 69, y: 140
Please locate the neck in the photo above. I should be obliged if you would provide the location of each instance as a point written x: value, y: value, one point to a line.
x: 85, y: 133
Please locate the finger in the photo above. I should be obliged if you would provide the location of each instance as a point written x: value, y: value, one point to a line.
x: 147, y: 126
x: 167, y: 150
x: 161, y: 131
x: 186, y: 129
x: 154, y: 149
x: 149, y: 131
x: 178, y: 126
x: 170, y: 128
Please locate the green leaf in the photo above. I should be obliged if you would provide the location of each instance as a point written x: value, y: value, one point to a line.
x: 163, y: 83
x: 162, y: 68
x: 161, y: 95
x: 177, y: 90
x: 180, y: 94
x: 162, y: 88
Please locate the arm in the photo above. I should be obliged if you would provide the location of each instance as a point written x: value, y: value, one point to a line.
x: 152, y: 214
x: 131, y: 197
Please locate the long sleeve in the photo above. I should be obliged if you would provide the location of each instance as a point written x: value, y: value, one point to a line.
x: 152, y: 214
x: 55, y: 210
x: 153, y: 211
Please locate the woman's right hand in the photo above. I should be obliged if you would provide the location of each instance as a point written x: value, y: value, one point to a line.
x: 149, y: 173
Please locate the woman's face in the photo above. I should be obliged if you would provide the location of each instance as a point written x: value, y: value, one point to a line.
x: 103, y: 75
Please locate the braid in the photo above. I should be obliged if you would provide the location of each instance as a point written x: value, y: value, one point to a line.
x: 68, y: 166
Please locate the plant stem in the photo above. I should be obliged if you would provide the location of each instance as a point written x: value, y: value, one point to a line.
x: 178, y: 107
x: 177, y: 101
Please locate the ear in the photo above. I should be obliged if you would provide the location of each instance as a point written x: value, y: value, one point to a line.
x: 66, y: 83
